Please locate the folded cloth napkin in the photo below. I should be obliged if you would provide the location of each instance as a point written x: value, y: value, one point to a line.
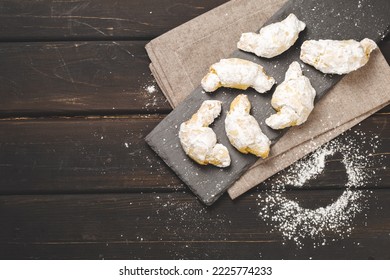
x: 181, y: 57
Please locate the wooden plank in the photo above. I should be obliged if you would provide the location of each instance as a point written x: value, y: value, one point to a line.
x: 109, y: 154
x: 80, y: 77
x: 39, y: 20
x: 72, y: 78
x: 77, y: 78
x: 164, y: 226
x: 81, y: 154
x: 385, y: 110
x: 385, y: 48
x: 207, y: 250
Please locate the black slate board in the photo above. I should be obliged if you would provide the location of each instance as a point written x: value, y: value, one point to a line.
x: 336, y: 20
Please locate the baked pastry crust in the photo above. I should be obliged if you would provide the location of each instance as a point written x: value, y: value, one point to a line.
x: 237, y: 73
x: 273, y: 39
x: 199, y: 141
x: 293, y: 99
x: 243, y: 130
x: 337, y: 57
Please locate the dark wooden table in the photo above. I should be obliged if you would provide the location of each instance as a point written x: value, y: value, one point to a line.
x: 77, y: 180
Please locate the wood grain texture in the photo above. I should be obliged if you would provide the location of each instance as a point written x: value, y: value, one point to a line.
x: 173, y: 226
x: 77, y: 78
x: 39, y: 20
x: 70, y: 187
x: 63, y: 155
x: 82, y: 155
x: 385, y: 48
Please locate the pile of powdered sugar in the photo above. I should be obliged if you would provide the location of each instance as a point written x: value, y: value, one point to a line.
x: 297, y: 223
x: 150, y: 88
x: 335, y: 220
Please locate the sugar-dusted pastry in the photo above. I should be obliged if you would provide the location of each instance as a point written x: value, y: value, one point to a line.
x: 273, y: 39
x: 337, y: 57
x: 199, y: 141
x: 237, y: 73
x: 293, y: 99
x: 243, y: 131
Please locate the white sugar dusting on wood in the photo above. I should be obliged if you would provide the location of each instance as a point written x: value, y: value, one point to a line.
x: 336, y: 220
x: 297, y: 223
x: 151, y: 89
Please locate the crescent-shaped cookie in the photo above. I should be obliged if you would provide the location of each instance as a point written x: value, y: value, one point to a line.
x: 243, y: 130
x: 293, y: 99
x: 237, y: 73
x: 199, y: 141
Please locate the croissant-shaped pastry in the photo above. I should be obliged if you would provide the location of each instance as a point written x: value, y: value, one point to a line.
x: 243, y: 130
x: 293, y: 99
x: 237, y: 73
x: 337, y: 57
x: 273, y: 39
x: 199, y: 141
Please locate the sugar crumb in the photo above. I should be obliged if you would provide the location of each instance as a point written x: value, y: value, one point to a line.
x: 151, y: 89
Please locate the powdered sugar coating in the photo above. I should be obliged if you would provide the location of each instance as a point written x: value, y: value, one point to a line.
x: 337, y: 57
x: 273, y: 39
x: 199, y: 141
x: 237, y: 73
x: 243, y: 130
x: 293, y: 99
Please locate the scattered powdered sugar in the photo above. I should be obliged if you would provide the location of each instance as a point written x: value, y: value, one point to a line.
x: 151, y: 89
x: 303, y: 171
x: 354, y: 158
x: 336, y: 220
x: 180, y: 212
x: 297, y: 223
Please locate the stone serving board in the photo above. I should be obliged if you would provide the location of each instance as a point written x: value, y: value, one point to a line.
x: 323, y: 21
